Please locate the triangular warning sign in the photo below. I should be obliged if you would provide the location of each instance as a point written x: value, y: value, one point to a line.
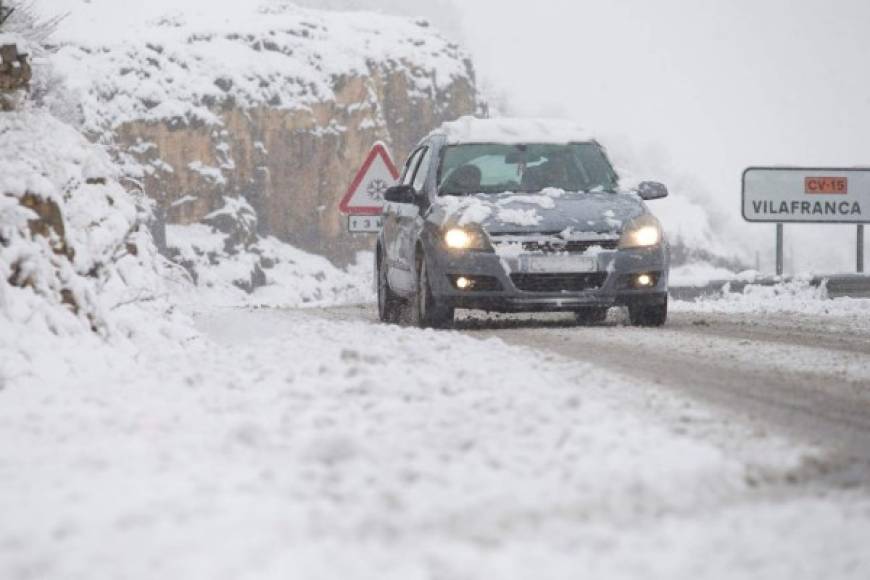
x: 366, y: 193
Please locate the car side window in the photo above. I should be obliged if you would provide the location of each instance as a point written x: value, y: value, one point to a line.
x: 411, y: 167
x: 422, y: 170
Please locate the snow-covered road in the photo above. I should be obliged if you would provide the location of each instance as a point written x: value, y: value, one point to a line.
x: 291, y: 444
x: 807, y: 377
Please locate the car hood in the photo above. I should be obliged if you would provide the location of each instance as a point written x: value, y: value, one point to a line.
x: 547, y: 212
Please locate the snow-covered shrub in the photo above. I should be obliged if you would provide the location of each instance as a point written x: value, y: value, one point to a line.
x: 231, y: 264
x: 74, y: 248
x: 24, y: 35
x: 32, y: 30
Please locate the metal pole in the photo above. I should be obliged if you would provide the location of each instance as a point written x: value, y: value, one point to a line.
x: 779, y: 244
x: 860, y: 248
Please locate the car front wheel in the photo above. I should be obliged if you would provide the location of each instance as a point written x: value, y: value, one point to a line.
x: 590, y: 316
x: 389, y: 305
x: 426, y: 311
x: 649, y: 315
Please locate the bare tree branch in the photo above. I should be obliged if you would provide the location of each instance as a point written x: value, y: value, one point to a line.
x: 21, y: 17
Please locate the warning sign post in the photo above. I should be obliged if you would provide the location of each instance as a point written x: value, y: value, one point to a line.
x: 364, y: 199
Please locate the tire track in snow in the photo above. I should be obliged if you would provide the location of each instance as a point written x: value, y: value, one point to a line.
x: 807, y: 377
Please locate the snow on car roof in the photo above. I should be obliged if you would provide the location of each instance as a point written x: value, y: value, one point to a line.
x: 512, y: 130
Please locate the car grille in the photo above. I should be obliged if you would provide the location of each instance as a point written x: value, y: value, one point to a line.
x: 558, y: 282
x: 573, y: 246
x: 549, y: 243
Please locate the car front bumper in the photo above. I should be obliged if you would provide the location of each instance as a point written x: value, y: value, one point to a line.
x: 498, y: 285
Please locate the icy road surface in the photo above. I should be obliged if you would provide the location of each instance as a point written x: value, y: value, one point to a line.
x: 805, y: 376
x: 320, y: 445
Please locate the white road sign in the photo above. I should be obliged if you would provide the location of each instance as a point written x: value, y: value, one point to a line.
x: 365, y: 224
x: 808, y: 195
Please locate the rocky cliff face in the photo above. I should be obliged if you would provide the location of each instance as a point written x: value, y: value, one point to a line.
x: 281, y: 113
x: 292, y: 166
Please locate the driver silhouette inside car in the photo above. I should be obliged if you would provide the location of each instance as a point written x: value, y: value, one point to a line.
x: 465, y: 179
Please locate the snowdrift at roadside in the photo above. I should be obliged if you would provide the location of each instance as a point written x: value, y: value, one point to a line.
x: 232, y: 265
x: 71, y: 234
x: 76, y: 258
x: 81, y: 280
x: 798, y: 297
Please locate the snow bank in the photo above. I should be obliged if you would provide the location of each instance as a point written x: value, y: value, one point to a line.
x: 797, y: 297
x: 231, y: 264
x: 268, y: 273
x: 699, y: 274
x: 171, y: 61
x: 82, y: 286
x: 81, y: 282
x: 75, y: 256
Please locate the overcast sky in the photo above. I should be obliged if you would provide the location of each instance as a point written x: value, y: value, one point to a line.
x: 711, y: 85
x: 763, y: 81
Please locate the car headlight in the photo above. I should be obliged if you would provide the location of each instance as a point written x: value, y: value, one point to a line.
x: 464, y: 239
x: 643, y: 232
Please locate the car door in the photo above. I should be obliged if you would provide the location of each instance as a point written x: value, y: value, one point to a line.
x: 410, y: 219
x: 392, y: 234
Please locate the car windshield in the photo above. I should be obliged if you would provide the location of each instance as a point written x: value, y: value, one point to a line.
x: 497, y: 168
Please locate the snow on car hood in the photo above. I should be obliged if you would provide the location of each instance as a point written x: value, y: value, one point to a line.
x: 552, y: 210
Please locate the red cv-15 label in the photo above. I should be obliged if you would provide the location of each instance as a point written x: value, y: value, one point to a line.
x: 826, y: 185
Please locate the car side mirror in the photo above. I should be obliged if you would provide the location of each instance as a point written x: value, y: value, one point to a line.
x: 648, y: 190
x: 401, y: 194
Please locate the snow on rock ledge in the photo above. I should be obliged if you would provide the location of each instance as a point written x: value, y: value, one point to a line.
x: 180, y: 68
x: 268, y: 101
x: 232, y: 265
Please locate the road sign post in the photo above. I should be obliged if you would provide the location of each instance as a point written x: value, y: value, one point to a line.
x: 780, y: 261
x: 783, y: 195
x: 364, y: 199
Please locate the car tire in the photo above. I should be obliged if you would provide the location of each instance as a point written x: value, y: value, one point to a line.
x: 426, y: 311
x: 650, y: 316
x: 389, y: 305
x: 590, y: 316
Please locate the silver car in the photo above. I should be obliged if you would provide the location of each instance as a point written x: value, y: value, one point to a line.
x: 518, y: 216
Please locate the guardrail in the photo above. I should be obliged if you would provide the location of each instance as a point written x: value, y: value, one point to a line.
x: 838, y: 286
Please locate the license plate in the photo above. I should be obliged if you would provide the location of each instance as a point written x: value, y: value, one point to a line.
x: 558, y: 264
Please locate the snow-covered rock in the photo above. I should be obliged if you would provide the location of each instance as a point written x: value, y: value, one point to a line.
x: 264, y: 100
x: 67, y: 223
x: 231, y: 265
x: 15, y: 70
x: 77, y: 261
x: 78, y: 265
